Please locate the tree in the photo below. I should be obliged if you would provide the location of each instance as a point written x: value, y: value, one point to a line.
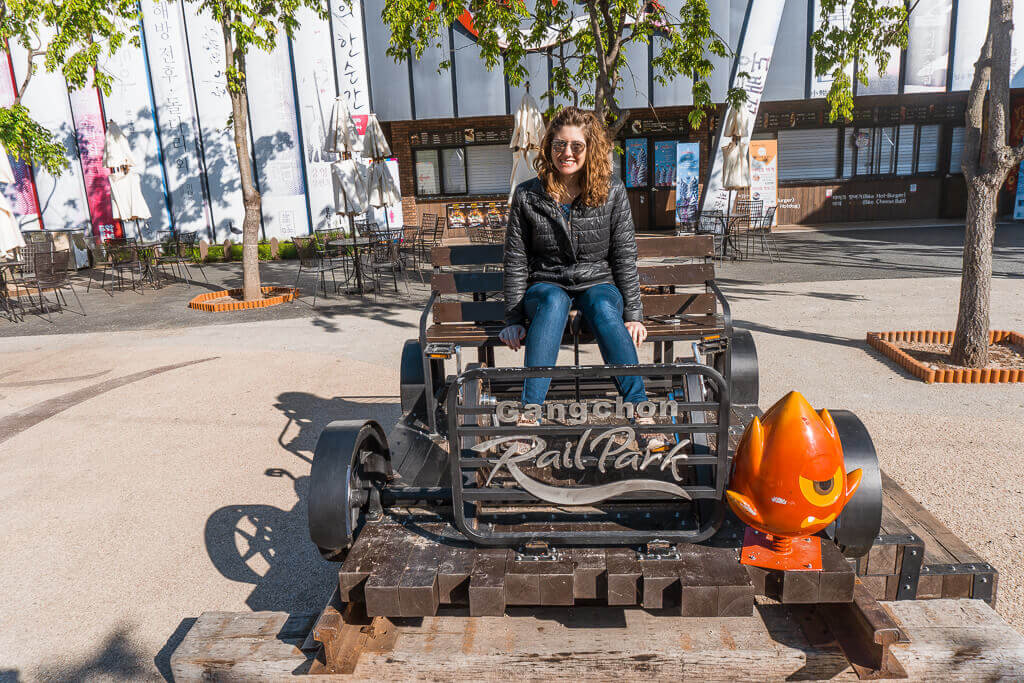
x: 987, y: 157
x: 589, y: 49
x: 246, y: 24
x: 72, y: 37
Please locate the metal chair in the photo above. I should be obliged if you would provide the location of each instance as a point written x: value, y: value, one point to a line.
x: 381, y: 258
x: 51, y: 272
x: 177, y: 252
x: 98, y: 260
x: 431, y: 233
x: 124, y: 256
x: 713, y: 223
x: 763, y: 231
x: 408, y: 251
x: 312, y: 259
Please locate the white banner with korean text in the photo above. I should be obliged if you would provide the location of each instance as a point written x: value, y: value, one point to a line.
x: 755, y: 56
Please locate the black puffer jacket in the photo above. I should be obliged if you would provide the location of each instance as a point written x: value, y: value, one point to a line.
x: 597, y: 244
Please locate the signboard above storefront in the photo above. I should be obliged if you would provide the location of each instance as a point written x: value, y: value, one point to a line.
x: 465, y: 136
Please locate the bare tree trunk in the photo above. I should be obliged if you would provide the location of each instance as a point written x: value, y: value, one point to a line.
x: 250, y: 196
x: 970, y: 345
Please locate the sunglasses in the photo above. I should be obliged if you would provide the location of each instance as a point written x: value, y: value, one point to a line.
x: 558, y: 146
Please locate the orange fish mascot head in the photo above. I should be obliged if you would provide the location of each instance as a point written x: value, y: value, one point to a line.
x: 788, y: 477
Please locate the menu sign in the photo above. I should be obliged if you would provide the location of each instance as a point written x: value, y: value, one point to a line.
x: 474, y: 214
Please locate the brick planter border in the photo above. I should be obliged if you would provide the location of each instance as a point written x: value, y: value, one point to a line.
x: 884, y: 342
x: 284, y: 294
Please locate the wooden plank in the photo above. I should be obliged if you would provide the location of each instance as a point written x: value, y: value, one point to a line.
x: 468, y: 255
x: 242, y: 646
x: 693, y: 246
x: 836, y: 582
x: 698, y: 591
x: 623, y: 576
x: 453, y: 575
x: 660, y: 582
x: 678, y: 304
x: 468, y: 311
x: 487, y: 583
x: 950, y: 543
x: 677, y: 274
x: 466, y: 283
x: 382, y: 586
x: 418, y: 594
x: 589, y: 581
x: 361, y: 560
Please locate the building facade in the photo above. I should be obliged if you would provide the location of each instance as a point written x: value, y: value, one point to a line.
x: 449, y: 131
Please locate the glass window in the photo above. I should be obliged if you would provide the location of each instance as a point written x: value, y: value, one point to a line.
x: 428, y: 179
x: 928, y: 149
x: 905, y: 150
x: 956, y: 150
x: 489, y: 168
x: 885, y: 150
x: 454, y: 170
x: 808, y: 154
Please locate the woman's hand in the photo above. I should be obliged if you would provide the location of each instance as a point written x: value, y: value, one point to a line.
x: 513, y: 334
x: 638, y: 332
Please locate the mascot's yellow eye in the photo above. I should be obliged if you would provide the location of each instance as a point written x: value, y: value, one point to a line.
x: 823, y: 493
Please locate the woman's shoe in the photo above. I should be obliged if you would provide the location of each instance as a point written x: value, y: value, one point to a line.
x: 652, y: 442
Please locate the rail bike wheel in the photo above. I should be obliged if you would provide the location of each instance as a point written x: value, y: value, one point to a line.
x: 350, y: 460
x: 744, y: 386
x: 858, y: 525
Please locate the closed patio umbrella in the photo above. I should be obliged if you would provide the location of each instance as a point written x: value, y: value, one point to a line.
x: 116, y: 150
x: 526, y: 139
x: 350, y: 196
x: 342, y: 136
x: 375, y: 145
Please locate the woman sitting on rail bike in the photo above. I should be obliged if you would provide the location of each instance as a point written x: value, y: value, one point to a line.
x: 570, y: 240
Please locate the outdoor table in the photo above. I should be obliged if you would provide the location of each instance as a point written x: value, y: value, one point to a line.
x: 729, y: 232
x: 359, y: 244
x: 4, y: 298
x: 148, y: 251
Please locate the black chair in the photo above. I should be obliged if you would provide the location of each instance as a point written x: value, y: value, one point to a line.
x: 312, y: 259
x: 431, y: 232
x: 381, y: 258
x: 124, y: 257
x: 177, y: 251
x: 408, y: 250
x: 746, y: 217
x: 98, y: 259
x: 763, y: 231
x: 51, y: 272
x: 713, y: 223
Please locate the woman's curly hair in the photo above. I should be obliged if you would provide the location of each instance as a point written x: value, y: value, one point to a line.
x: 597, y: 167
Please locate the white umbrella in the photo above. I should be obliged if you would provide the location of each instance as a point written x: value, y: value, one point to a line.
x: 6, y: 173
x: 116, y: 150
x: 382, y: 188
x: 375, y: 145
x: 526, y: 139
x: 350, y: 196
x: 342, y: 136
x: 126, y: 200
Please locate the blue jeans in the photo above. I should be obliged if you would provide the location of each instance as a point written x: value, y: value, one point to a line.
x: 547, y: 306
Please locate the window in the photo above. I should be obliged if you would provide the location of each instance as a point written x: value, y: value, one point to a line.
x: 454, y: 161
x: 890, y: 150
x: 474, y: 169
x: 956, y: 150
x: 490, y: 169
x: 428, y: 175
x: 808, y: 154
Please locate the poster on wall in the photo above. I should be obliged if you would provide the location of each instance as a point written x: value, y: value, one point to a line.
x: 90, y: 133
x: 636, y: 162
x: 687, y: 182
x: 928, y: 46
x: 350, y: 55
x: 665, y: 163
x: 764, y: 172
x: 475, y: 214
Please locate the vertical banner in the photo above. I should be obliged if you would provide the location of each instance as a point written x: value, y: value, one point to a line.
x: 928, y: 46
x: 636, y: 162
x: 22, y: 193
x: 62, y: 199
x: 687, y: 182
x: 350, y: 55
x: 764, y: 172
x: 89, y: 133
x: 755, y: 58
x: 665, y: 163
x: 315, y: 88
x: 176, y: 117
x: 130, y: 106
x: 820, y: 85
x: 213, y: 107
x: 275, y: 132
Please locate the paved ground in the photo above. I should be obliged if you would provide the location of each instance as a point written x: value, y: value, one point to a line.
x: 155, y: 473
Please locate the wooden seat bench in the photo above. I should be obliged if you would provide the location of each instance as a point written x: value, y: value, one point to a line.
x: 465, y: 310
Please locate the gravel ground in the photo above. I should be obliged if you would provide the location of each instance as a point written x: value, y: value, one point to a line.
x: 141, y: 504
